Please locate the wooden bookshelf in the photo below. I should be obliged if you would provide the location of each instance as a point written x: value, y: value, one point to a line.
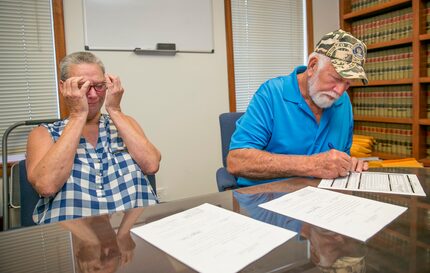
x: 418, y: 42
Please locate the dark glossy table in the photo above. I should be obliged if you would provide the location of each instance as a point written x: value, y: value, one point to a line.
x: 104, y: 243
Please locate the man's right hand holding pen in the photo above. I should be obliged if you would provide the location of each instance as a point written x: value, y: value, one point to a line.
x: 334, y: 163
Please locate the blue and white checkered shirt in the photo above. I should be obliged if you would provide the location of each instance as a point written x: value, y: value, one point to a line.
x: 103, y: 180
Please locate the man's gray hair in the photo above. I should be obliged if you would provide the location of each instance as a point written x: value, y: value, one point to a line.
x: 81, y: 57
x: 323, y: 60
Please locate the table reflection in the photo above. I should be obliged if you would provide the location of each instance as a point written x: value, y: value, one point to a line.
x: 249, y: 206
x: 98, y: 247
x: 105, y: 244
x: 329, y: 251
x: 333, y: 252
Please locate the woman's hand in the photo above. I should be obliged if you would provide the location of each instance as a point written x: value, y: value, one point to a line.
x: 114, y: 93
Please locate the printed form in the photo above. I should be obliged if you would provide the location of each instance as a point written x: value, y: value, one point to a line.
x: 208, y: 238
x: 349, y: 215
x: 396, y: 183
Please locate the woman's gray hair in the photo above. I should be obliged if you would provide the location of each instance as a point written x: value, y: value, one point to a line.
x: 323, y: 60
x: 81, y: 57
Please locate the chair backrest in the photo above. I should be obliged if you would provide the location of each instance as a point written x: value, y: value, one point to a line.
x: 23, y: 198
x: 227, y: 122
x: 152, y: 182
x: 28, y: 196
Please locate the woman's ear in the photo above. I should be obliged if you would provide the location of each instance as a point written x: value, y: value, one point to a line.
x: 60, y: 85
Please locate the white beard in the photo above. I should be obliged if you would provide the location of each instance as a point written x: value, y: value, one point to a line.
x: 323, y: 99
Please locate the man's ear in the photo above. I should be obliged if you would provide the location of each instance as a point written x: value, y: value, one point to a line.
x: 312, y: 65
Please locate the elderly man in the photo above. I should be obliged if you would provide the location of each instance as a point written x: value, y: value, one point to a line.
x: 302, y: 124
x: 90, y: 163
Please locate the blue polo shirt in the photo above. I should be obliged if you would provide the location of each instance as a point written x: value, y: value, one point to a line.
x: 278, y: 120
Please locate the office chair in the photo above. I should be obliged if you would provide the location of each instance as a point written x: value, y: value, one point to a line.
x: 7, y: 204
x: 152, y: 182
x: 227, y: 122
x: 22, y: 195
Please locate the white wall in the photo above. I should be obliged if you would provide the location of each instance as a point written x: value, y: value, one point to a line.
x: 325, y: 17
x: 176, y: 100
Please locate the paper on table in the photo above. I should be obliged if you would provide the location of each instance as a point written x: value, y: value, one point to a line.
x: 348, y: 215
x: 212, y: 239
x: 397, y: 183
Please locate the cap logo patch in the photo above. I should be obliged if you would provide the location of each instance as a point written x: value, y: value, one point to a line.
x: 358, y: 51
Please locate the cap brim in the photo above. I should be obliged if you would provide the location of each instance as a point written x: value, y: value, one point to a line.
x: 349, y: 70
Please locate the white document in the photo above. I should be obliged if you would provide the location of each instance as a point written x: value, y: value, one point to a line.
x: 212, y: 239
x: 349, y: 215
x: 397, y: 183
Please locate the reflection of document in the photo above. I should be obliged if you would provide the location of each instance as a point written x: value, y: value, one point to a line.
x: 397, y: 183
x: 349, y: 215
x: 212, y: 239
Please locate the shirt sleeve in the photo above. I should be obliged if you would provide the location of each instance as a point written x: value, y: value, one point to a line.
x: 254, y: 128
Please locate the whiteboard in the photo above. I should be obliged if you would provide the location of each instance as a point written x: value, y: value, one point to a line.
x: 130, y: 24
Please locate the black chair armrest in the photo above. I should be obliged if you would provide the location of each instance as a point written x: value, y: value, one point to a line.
x: 225, y: 181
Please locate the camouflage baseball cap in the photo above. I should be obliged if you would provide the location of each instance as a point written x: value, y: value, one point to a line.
x: 347, y: 54
x: 346, y: 265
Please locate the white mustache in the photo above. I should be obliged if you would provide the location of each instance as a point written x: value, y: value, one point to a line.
x: 332, y: 94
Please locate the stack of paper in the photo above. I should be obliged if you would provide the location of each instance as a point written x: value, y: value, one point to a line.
x: 362, y: 145
x: 396, y: 163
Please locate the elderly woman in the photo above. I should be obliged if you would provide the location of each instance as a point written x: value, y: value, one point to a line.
x: 90, y: 163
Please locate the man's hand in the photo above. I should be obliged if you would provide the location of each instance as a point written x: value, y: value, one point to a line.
x: 114, y: 93
x: 359, y: 165
x: 331, y: 164
x: 74, y: 92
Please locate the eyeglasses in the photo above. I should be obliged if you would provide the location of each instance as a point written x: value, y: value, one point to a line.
x: 99, y: 87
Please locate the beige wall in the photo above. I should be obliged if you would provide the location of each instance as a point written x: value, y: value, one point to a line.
x: 325, y: 16
x: 176, y: 100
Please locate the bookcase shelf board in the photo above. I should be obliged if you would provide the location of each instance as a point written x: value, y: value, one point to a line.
x: 388, y: 44
x: 384, y: 82
x: 382, y: 119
